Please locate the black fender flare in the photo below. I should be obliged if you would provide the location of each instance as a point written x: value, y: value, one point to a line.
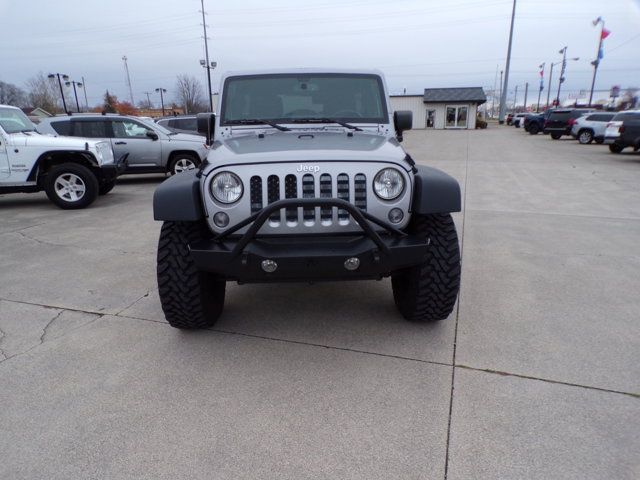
x: 435, y: 192
x: 178, y: 198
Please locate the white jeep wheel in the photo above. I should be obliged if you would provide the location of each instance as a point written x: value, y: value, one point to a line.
x: 69, y: 187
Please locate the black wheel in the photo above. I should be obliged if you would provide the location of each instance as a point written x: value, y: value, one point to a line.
x: 183, y: 162
x: 190, y: 298
x: 534, y: 129
x: 428, y: 292
x: 585, y: 137
x: 556, y: 136
x: 599, y: 140
x: 71, y: 186
x: 106, y: 187
x: 615, y: 148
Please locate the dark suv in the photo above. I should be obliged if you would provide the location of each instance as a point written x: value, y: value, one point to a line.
x: 560, y: 121
x: 623, y: 131
x: 534, y: 123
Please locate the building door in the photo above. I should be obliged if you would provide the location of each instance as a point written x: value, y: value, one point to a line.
x: 457, y: 116
x: 430, y: 119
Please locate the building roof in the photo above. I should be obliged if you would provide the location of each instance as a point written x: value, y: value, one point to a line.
x: 462, y: 94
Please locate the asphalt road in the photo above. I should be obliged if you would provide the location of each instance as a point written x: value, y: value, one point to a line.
x: 536, y: 375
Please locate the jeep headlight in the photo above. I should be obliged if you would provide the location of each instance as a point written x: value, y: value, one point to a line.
x: 226, y: 187
x: 388, y: 184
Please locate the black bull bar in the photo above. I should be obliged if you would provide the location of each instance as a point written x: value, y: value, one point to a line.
x: 308, y: 257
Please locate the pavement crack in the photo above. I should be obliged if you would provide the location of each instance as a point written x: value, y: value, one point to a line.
x: 46, y: 327
x: 547, y: 380
x: 2, y: 335
x: 134, y: 302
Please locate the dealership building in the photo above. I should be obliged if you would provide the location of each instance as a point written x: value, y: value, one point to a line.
x: 440, y: 108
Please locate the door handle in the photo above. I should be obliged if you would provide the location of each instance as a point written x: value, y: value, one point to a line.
x: 120, y: 143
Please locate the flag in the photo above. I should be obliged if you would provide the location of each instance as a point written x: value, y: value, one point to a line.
x: 605, y: 33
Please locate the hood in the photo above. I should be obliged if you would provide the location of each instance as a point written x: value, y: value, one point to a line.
x: 307, y: 147
x: 185, y: 137
x: 33, y: 139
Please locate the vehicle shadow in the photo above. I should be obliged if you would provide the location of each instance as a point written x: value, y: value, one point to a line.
x: 137, y: 179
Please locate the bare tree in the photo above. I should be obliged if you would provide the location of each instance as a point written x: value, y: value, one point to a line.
x: 11, y: 94
x: 189, y: 94
x: 43, y: 93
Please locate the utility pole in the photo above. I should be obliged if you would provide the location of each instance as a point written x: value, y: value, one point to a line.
x: 549, y: 87
x: 65, y: 77
x: 526, y: 92
x: 515, y: 99
x: 500, y: 92
x: 84, y: 89
x: 126, y: 69
x: 503, y: 98
x: 206, y: 55
x: 148, y: 99
x: 493, y: 94
x: 596, y: 62
x: 162, y: 90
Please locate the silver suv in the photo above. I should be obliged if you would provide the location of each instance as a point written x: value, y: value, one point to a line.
x: 306, y: 181
x: 591, y: 127
x: 151, y: 147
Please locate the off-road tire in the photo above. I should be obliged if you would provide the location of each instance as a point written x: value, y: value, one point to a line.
x: 176, y: 159
x: 615, y: 148
x: 427, y: 292
x: 190, y: 298
x: 88, y: 178
x: 585, y: 137
x: 534, y: 129
x: 556, y: 136
x: 106, y: 187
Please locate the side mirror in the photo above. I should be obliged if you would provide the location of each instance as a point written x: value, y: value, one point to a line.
x: 402, y: 121
x: 206, y: 125
x: 152, y: 135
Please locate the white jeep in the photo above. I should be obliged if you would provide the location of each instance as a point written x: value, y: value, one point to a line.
x: 72, y: 171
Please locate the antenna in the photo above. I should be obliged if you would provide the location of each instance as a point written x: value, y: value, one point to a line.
x: 126, y: 69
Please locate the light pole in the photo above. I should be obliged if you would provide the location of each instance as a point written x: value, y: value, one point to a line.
x: 84, y: 89
x: 65, y: 77
x: 564, y: 66
x: 75, y: 92
x: 503, y: 98
x: 209, y: 66
x: 148, y: 99
x: 162, y: 91
x: 206, y: 56
x: 541, y: 66
x: 550, y: 78
x: 515, y: 99
x: 500, y: 93
x: 526, y: 92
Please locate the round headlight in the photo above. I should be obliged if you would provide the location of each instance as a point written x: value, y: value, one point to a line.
x: 226, y: 187
x: 388, y: 184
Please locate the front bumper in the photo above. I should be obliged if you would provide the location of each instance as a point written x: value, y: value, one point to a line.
x: 309, y: 258
x: 112, y: 171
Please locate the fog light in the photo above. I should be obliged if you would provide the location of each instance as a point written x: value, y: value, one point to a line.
x: 395, y: 215
x: 269, y: 266
x: 221, y: 219
x: 352, y: 263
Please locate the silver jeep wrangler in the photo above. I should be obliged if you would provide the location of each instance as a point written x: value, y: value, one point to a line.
x: 306, y: 181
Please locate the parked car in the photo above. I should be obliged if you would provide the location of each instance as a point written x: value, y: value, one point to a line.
x: 534, y: 123
x: 181, y: 124
x: 591, y: 127
x: 518, y: 119
x: 623, y: 131
x: 560, y: 121
x: 313, y: 189
x: 151, y: 147
x: 72, y: 171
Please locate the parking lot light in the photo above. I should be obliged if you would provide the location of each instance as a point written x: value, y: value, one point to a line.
x: 65, y: 77
x: 161, y: 91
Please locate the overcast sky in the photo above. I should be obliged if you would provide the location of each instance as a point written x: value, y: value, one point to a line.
x: 417, y: 43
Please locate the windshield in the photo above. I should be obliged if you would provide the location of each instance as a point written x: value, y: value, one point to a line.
x: 282, y: 98
x: 13, y: 120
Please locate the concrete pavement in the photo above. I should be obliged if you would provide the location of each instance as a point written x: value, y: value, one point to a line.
x: 535, y: 375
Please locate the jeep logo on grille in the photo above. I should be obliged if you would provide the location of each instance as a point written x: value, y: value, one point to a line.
x: 308, y: 168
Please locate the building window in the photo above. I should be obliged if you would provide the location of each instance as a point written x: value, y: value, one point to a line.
x: 457, y: 117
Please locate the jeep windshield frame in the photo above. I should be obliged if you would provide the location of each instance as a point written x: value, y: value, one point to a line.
x: 289, y: 98
x: 13, y: 120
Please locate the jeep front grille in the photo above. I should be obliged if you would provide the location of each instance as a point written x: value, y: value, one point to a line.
x: 340, y: 186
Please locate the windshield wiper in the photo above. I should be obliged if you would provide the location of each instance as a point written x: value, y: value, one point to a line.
x: 327, y: 120
x: 258, y: 121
